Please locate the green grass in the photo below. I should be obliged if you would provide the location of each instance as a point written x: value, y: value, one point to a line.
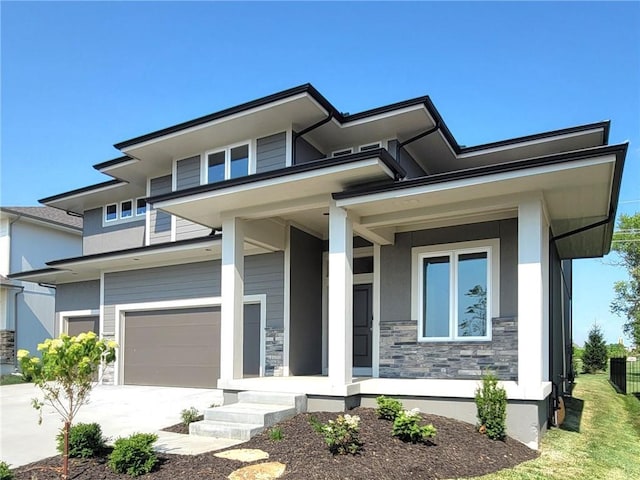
x: 11, y: 379
x: 599, y: 439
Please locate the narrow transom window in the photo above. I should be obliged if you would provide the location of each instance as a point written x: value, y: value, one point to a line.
x: 111, y: 212
x: 239, y: 161
x: 454, y: 291
x: 126, y: 209
x: 141, y: 206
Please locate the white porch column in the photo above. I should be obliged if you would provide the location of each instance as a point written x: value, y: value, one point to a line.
x: 232, y: 292
x: 533, y: 311
x: 340, y: 296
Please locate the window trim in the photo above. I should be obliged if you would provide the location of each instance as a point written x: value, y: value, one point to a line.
x: 131, y: 215
x: 105, y: 212
x: 418, y: 254
x: 136, y: 214
x: 227, y: 159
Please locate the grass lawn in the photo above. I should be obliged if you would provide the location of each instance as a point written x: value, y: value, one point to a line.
x: 599, y: 439
x: 10, y: 379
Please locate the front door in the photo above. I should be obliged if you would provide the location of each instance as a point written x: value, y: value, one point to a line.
x: 362, y: 325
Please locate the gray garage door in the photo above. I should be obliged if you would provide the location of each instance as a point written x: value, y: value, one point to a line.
x: 78, y: 325
x: 178, y: 348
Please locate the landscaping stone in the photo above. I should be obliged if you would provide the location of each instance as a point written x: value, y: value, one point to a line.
x: 244, y: 454
x: 260, y: 471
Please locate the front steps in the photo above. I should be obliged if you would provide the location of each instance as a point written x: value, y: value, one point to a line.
x: 253, y: 412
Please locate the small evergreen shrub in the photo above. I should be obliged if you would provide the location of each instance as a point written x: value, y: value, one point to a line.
x: 189, y: 415
x: 316, y: 424
x: 134, y: 455
x: 276, y: 434
x: 491, y: 402
x: 342, y: 434
x: 594, y: 357
x: 5, y: 472
x: 388, y: 408
x: 85, y: 440
x: 406, y: 426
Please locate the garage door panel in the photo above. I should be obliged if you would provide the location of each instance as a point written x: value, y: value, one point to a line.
x: 173, y: 347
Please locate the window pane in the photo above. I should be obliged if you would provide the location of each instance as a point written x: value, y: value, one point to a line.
x: 141, y: 206
x: 216, y: 167
x: 126, y: 209
x: 436, y: 297
x: 112, y: 212
x: 240, y: 161
x: 362, y: 265
x: 472, y: 295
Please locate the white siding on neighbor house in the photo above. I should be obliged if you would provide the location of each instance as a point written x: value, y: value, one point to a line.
x: 160, y: 222
x: 264, y: 274
x: 271, y: 152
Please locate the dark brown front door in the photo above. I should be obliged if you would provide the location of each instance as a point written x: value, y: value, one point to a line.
x: 362, y: 323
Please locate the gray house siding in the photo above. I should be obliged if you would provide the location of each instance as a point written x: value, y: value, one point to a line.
x: 160, y: 222
x: 271, y: 152
x: 188, y: 173
x: 98, y: 239
x: 264, y: 274
x: 305, y: 152
x: 401, y: 355
x: 305, y: 329
x: 77, y: 296
x: 406, y: 161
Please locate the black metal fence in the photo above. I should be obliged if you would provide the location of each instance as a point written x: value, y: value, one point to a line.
x: 625, y: 374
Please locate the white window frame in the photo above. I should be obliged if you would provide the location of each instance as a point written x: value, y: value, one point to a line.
x: 369, y: 146
x: 418, y: 254
x: 104, y: 213
x: 227, y: 159
x: 131, y: 215
x: 119, y: 218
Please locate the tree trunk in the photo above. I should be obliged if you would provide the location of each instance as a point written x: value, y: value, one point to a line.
x: 65, y: 455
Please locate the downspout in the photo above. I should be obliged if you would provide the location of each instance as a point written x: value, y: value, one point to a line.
x: 299, y: 134
x: 401, y: 145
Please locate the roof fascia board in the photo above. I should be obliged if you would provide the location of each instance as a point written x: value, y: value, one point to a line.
x: 387, y: 160
x: 116, y: 162
x: 98, y: 187
x: 30, y: 273
x: 150, y: 249
x: 519, y: 165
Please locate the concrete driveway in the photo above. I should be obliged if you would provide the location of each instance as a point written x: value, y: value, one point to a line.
x: 120, y: 411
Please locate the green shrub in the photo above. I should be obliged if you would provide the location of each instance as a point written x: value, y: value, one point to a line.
x: 5, y: 472
x: 134, y: 455
x: 316, y: 424
x: 276, y: 434
x: 85, y: 440
x: 491, y: 402
x: 406, y: 426
x: 342, y: 434
x: 388, y: 408
x: 189, y: 415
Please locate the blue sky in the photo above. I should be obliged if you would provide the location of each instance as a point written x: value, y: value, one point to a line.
x: 78, y: 77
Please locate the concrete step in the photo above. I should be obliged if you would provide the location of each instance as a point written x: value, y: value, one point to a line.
x: 231, y: 430
x: 297, y: 400
x: 257, y: 413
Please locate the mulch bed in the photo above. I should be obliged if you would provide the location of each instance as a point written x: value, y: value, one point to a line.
x: 458, y: 450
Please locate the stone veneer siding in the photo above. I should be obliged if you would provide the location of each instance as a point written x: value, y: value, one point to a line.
x: 274, y: 352
x: 402, y: 356
x: 7, y: 347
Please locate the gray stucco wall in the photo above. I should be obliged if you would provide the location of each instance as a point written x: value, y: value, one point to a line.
x: 264, y: 274
x: 406, y: 161
x: 401, y: 355
x: 305, y: 324
x: 98, y: 239
x: 271, y: 152
x: 305, y: 152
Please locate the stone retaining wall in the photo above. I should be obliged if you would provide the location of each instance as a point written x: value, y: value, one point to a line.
x: 274, y: 351
x: 7, y: 347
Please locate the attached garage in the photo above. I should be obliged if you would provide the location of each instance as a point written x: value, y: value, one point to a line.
x: 178, y: 347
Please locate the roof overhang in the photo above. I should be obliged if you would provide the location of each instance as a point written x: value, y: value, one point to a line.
x: 578, y: 189
x: 207, y: 204
x: 93, y: 196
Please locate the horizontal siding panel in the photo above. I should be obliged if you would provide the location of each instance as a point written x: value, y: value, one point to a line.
x: 186, y: 229
x: 188, y: 173
x: 271, y: 152
x: 160, y: 222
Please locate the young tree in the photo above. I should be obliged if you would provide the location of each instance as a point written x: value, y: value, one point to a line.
x: 626, y: 242
x: 65, y: 374
x: 595, y: 351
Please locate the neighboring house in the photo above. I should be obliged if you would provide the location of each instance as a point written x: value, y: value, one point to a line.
x: 281, y: 245
x: 29, y: 237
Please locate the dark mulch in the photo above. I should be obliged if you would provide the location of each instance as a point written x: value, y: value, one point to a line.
x: 457, y: 451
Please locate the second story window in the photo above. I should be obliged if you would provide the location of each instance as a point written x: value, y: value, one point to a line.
x: 141, y: 206
x: 111, y: 212
x: 126, y: 209
x: 231, y: 162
